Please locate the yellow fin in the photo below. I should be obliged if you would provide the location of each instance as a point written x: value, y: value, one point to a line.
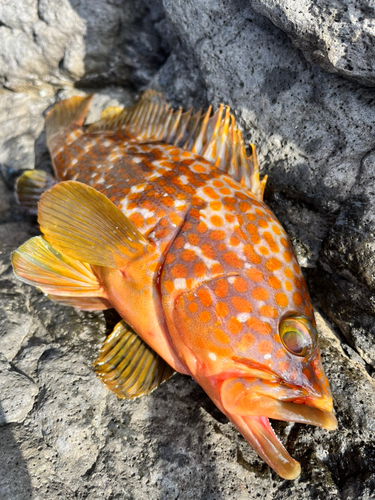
x: 84, y: 224
x: 37, y: 263
x: 128, y: 366
x: 64, y: 114
x: 84, y: 303
x: 30, y: 186
x: 215, y: 137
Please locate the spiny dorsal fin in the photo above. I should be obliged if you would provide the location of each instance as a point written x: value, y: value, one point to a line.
x: 81, y: 222
x: 65, y: 279
x: 30, y: 187
x: 128, y: 366
x: 215, y: 137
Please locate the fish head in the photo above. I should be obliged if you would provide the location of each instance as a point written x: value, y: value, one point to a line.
x: 251, y: 342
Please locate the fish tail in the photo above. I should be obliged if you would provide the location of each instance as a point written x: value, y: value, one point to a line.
x: 64, y: 118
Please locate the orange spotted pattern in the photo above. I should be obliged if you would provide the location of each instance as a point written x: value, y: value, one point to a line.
x: 227, y: 272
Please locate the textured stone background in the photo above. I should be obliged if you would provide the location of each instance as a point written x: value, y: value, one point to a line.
x: 299, y: 77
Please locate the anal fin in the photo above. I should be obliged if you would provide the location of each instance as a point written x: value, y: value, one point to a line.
x: 128, y: 366
x: 30, y: 187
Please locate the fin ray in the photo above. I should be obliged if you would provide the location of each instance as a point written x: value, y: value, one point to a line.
x: 84, y: 224
x: 83, y: 303
x: 215, y: 138
x: 66, y: 113
x: 30, y: 186
x: 37, y: 263
x: 128, y: 366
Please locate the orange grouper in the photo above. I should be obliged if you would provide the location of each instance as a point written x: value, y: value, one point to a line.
x: 159, y: 214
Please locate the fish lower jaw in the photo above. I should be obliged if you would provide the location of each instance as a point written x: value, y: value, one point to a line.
x: 259, y: 434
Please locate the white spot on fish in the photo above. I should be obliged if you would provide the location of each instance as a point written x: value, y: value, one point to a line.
x: 137, y: 188
x: 212, y: 356
x: 198, y: 251
x: 242, y: 317
x: 231, y: 279
x: 267, y: 356
x: 183, y: 179
x: 74, y: 161
x: 179, y: 283
x: 179, y: 203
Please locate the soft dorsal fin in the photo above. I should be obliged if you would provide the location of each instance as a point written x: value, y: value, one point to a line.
x: 64, y: 279
x: 81, y: 222
x: 30, y: 187
x: 128, y: 366
x: 64, y: 124
x: 65, y: 113
x: 215, y: 137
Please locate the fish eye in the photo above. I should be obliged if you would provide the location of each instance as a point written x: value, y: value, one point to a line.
x: 298, y: 335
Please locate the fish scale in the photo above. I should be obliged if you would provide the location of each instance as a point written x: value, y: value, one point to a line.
x: 160, y: 214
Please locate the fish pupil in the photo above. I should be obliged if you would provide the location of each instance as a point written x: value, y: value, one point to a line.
x: 294, y: 342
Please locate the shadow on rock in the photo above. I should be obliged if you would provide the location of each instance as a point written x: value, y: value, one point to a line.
x: 128, y: 52
x: 185, y: 440
x: 15, y: 481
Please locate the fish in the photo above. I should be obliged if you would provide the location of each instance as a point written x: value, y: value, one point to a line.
x: 159, y: 214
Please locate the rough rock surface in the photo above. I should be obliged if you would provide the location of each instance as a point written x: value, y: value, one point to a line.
x: 337, y: 35
x: 62, y: 434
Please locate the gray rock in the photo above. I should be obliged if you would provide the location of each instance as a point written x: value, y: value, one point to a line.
x: 17, y: 394
x: 49, y: 43
x: 339, y: 36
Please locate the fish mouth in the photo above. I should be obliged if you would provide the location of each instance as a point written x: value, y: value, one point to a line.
x: 237, y: 400
x: 259, y: 434
x: 250, y: 411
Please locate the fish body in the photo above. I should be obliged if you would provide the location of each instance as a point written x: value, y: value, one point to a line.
x: 208, y: 279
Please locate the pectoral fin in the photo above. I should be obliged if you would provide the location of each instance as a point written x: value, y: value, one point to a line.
x: 64, y: 279
x: 84, y: 224
x: 128, y: 366
x: 30, y: 187
x: 83, y: 303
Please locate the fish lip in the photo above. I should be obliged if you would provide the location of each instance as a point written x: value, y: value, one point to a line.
x: 298, y: 408
x: 299, y: 396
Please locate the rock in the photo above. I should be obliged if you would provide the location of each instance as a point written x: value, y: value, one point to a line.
x: 48, y: 43
x: 338, y: 36
x: 42, y: 42
x: 22, y: 122
x: 68, y: 437
x: 17, y: 394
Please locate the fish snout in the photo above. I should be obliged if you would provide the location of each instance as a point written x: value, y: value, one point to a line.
x: 249, y: 398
